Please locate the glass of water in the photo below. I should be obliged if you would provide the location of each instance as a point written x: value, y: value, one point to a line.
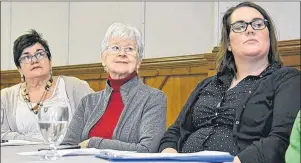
x: 53, y: 121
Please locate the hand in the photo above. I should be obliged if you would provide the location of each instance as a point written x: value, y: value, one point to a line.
x: 84, y: 144
x: 236, y: 160
x: 169, y: 150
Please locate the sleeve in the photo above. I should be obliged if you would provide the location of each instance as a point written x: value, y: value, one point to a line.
x: 76, y: 126
x: 285, y: 108
x: 76, y: 89
x: 84, y: 89
x: 6, y: 132
x: 182, y: 127
x: 152, y: 127
x: 292, y: 154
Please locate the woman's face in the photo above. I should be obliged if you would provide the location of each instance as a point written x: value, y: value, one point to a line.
x: 34, y: 62
x: 250, y: 44
x: 120, y: 58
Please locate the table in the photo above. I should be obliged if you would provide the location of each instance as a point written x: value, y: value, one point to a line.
x: 9, y: 155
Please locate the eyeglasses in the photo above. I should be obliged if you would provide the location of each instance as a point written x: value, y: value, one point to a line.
x: 241, y: 26
x: 115, y: 49
x: 28, y: 58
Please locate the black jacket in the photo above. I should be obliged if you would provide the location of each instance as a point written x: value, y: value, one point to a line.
x: 263, y: 121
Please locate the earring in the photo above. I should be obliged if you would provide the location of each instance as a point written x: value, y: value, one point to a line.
x: 51, y: 75
x: 49, y: 82
x: 22, y: 78
x: 105, y: 68
x: 229, y: 48
x: 137, y: 68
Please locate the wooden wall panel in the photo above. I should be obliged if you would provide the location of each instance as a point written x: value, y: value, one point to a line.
x: 149, y: 80
x: 176, y: 76
x: 291, y: 60
x: 177, y: 90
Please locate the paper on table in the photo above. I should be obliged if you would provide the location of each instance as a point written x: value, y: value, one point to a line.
x: 65, y: 152
x: 19, y: 143
x: 114, y: 155
x: 150, y: 155
x: 205, y: 156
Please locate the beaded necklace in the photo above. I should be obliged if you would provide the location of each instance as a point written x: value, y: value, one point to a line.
x: 25, y: 95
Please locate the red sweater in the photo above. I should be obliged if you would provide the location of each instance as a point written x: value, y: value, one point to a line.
x: 105, y: 126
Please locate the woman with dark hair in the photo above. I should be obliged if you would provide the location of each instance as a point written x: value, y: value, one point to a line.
x: 249, y: 106
x: 21, y: 103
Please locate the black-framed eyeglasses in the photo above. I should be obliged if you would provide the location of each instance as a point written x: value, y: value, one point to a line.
x: 115, y: 49
x: 241, y: 26
x: 28, y: 58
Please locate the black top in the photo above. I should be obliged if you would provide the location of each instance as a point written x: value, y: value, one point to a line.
x: 252, y: 120
x: 213, y: 114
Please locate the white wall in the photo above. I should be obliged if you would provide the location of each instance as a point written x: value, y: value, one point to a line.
x: 178, y: 28
x: 49, y: 18
x: 75, y: 30
x: 6, y: 55
x: 89, y: 22
x: 286, y: 16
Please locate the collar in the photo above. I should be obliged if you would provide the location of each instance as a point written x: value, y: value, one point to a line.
x: 117, y: 83
x: 226, y: 76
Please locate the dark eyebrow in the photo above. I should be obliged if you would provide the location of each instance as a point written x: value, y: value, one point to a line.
x: 36, y: 51
x: 245, y: 21
x: 25, y: 53
x: 40, y: 50
x: 257, y: 19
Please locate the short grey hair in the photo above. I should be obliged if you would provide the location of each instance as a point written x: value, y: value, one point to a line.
x: 124, y: 31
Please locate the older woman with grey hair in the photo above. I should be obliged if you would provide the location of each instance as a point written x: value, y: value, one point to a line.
x: 127, y: 115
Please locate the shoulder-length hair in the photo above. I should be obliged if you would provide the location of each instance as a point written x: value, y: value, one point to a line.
x: 225, y: 58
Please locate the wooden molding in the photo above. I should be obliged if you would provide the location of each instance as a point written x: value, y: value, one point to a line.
x: 177, y: 65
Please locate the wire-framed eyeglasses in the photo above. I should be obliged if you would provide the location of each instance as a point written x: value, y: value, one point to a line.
x: 28, y: 58
x: 115, y: 49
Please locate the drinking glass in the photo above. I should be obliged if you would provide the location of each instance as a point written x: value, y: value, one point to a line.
x: 53, y: 121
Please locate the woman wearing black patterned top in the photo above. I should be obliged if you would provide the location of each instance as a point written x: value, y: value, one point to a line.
x: 249, y: 106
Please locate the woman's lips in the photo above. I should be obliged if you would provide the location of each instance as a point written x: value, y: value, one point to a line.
x: 124, y: 62
x: 35, y: 67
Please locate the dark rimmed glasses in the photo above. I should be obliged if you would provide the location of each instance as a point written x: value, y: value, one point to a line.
x: 241, y: 26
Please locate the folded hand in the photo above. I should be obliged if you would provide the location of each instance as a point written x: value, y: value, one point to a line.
x: 169, y: 150
x: 84, y: 144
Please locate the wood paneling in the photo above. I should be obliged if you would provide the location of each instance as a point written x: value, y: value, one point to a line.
x: 176, y: 76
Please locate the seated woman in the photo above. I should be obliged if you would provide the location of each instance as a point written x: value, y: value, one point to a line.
x: 292, y: 154
x: 127, y: 115
x: 249, y: 106
x: 21, y: 103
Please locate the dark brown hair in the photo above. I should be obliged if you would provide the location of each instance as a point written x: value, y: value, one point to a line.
x: 27, y: 40
x: 225, y: 59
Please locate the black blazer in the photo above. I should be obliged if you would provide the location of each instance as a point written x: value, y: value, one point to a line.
x: 263, y: 121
